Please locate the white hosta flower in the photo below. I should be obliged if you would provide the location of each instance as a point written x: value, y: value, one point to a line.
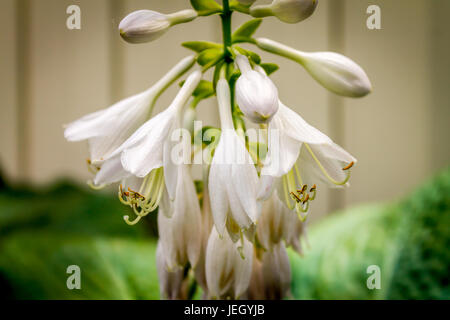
x: 277, y: 223
x: 149, y: 147
x: 303, y: 157
x: 334, y: 71
x: 107, y: 129
x: 143, y: 195
x: 146, y: 25
x: 228, y: 268
x: 290, y: 11
x: 276, y: 272
x: 256, y: 94
x: 170, y: 282
x: 207, y: 225
x: 233, y: 178
x: 181, y: 234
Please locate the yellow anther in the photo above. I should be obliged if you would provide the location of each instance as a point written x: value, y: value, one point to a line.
x: 306, y: 199
x: 148, y: 197
x: 296, y: 198
x: 348, y: 166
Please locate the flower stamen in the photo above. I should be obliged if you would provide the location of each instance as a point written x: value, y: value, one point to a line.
x: 147, y: 198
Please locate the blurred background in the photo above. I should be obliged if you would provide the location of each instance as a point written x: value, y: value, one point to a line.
x: 399, y: 133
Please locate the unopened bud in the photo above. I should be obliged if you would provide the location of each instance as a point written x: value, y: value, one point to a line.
x: 334, y: 71
x: 146, y: 25
x: 290, y: 11
x: 256, y: 94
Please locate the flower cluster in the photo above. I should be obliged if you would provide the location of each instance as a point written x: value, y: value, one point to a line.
x: 228, y: 233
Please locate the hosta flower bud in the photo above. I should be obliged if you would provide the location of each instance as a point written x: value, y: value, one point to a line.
x: 146, y: 25
x: 334, y: 71
x: 290, y: 11
x: 256, y: 94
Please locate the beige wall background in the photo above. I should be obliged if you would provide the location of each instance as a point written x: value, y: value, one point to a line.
x: 51, y: 75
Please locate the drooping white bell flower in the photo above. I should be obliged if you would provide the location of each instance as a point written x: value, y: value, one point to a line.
x: 149, y: 147
x: 143, y: 195
x: 228, y: 268
x: 290, y: 11
x: 277, y: 223
x: 170, y: 282
x: 147, y: 25
x: 107, y: 129
x: 256, y: 94
x: 299, y: 158
x: 276, y: 272
x: 207, y: 225
x: 334, y: 71
x: 181, y: 234
x: 233, y: 178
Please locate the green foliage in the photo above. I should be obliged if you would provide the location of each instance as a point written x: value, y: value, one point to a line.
x: 206, y: 7
x: 422, y: 268
x: 409, y: 241
x: 245, y: 32
x: 35, y: 264
x: 43, y: 232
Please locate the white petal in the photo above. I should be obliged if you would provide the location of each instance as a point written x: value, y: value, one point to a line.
x: 101, y: 122
x: 332, y: 157
x: 266, y: 186
x: 244, y: 177
x: 243, y: 269
x: 169, y: 282
x: 111, y: 171
x: 143, y: 151
x: 170, y: 167
x: 283, y: 151
x: 295, y: 127
x: 218, y: 192
x: 180, y: 235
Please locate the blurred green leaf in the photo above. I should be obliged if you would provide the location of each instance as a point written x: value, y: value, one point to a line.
x: 409, y: 241
x: 35, y: 264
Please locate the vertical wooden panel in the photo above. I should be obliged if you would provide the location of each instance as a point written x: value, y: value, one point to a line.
x: 439, y: 111
x: 388, y: 131
x: 69, y: 78
x: 8, y: 89
x: 336, y: 117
